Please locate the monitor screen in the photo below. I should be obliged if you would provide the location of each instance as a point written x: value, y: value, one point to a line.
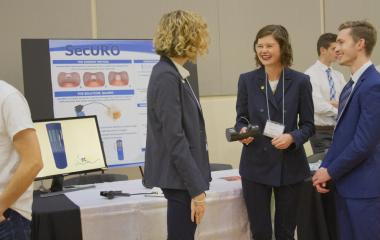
x: 69, y: 145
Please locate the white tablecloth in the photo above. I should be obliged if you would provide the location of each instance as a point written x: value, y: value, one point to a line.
x: 144, y: 218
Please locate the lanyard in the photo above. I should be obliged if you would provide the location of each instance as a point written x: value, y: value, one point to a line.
x: 283, y: 96
x: 196, y: 99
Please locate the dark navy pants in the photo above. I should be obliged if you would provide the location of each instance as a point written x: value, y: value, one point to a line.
x: 258, y: 201
x: 179, y: 224
x: 358, y: 219
x: 14, y: 227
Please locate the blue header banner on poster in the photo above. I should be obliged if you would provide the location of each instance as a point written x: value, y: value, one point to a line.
x: 100, y: 47
x: 91, y: 61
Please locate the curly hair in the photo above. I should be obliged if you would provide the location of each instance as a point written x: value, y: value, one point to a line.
x: 181, y: 34
x: 281, y: 35
x: 362, y: 30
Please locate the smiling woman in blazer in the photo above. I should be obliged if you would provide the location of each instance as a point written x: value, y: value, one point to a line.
x: 176, y: 158
x: 278, y: 100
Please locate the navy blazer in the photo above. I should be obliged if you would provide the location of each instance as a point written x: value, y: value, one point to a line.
x: 353, y: 159
x: 176, y: 154
x: 260, y: 160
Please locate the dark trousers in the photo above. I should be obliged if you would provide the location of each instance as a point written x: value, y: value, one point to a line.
x: 14, y: 227
x: 179, y: 224
x: 358, y: 219
x: 258, y: 199
x: 321, y: 140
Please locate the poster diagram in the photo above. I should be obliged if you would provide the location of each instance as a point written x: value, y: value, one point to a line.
x: 109, y: 79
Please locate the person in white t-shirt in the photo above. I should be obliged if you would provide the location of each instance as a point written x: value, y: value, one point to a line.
x: 327, y: 85
x: 20, y: 162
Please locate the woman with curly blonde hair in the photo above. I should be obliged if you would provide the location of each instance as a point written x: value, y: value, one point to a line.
x: 176, y: 157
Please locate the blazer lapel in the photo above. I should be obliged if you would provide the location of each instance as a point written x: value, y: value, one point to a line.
x: 263, y: 88
x: 261, y: 84
x: 185, y: 85
x: 356, y: 87
x: 287, y: 82
x: 272, y: 98
x: 288, y: 79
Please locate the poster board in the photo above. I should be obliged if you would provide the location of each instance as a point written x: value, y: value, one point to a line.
x: 102, y: 77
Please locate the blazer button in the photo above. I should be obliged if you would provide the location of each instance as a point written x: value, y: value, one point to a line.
x: 261, y: 110
x: 265, y: 149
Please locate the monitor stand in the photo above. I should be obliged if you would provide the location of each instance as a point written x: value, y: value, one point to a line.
x: 58, y: 189
x: 57, y: 184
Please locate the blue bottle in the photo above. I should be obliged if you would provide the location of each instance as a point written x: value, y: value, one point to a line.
x: 57, y: 145
x: 119, y: 149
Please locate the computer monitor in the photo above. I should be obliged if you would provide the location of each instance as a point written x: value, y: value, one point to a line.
x: 69, y: 145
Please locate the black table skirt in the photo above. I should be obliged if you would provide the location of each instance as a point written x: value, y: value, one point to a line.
x: 316, y: 214
x: 55, y: 218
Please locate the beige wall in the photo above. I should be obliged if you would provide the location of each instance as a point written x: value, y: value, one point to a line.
x: 232, y: 25
x: 338, y: 11
x: 37, y: 19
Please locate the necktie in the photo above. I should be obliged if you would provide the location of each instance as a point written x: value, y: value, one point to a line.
x: 344, y: 97
x: 331, y: 84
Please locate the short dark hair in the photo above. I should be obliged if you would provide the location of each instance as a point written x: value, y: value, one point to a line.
x: 362, y: 30
x: 281, y: 35
x: 325, y: 41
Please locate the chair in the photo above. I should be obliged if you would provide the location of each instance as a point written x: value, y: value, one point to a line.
x: 94, y: 178
x: 316, y: 157
x: 219, y: 166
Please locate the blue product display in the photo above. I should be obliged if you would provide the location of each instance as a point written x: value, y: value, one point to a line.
x: 119, y: 148
x: 57, y: 145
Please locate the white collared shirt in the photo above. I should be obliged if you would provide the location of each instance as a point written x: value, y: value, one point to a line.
x: 324, y: 113
x: 355, y: 77
x: 273, y: 85
x: 182, y: 71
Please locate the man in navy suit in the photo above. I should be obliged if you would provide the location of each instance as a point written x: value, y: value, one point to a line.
x: 353, y: 160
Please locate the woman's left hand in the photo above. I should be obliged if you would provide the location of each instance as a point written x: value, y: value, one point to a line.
x: 283, y: 141
x: 198, y: 207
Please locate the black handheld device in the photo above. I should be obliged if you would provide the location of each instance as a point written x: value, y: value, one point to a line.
x: 232, y: 135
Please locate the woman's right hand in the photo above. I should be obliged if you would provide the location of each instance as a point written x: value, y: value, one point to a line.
x: 247, y: 140
x: 198, y: 207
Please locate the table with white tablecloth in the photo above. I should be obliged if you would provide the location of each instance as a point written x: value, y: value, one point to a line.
x: 142, y: 217
x: 85, y: 215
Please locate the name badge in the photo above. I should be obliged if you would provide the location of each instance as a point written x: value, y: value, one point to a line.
x: 273, y: 129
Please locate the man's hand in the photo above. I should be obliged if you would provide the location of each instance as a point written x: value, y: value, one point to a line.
x: 320, y: 178
x: 321, y: 188
x: 247, y: 140
x: 198, y: 207
x: 283, y: 141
